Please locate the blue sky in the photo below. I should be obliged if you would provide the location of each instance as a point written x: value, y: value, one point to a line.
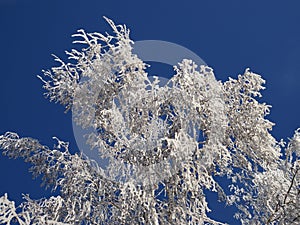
x: 228, y: 35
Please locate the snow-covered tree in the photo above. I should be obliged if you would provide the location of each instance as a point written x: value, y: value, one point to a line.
x: 165, y: 145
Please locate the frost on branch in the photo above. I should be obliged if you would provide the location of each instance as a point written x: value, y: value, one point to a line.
x: 281, y: 198
x: 79, y: 182
x: 166, y: 145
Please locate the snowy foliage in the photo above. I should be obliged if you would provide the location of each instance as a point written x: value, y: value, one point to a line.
x: 185, y: 135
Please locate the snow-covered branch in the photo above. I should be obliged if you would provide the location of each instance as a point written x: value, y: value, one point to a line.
x: 166, y: 144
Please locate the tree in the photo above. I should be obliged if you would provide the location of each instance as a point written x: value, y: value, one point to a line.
x: 165, y: 145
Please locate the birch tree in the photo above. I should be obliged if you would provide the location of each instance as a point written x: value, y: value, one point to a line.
x: 166, y: 145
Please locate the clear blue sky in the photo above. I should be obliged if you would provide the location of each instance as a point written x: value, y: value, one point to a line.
x: 229, y: 36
